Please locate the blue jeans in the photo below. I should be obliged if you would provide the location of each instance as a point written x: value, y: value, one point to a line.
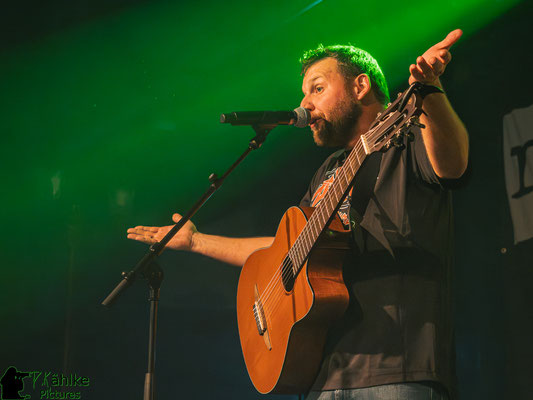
x: 396, y: 391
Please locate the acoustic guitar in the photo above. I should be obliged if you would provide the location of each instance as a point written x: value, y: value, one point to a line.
x: 290, y: 293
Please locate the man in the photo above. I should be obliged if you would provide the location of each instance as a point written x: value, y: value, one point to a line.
x: 396, y: 338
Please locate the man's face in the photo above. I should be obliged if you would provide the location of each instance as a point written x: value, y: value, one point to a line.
x: 334, y: 109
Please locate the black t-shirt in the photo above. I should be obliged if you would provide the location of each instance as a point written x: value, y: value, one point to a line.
x: 398, y: 326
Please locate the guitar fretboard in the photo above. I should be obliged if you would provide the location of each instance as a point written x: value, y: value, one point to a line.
x: 388, y: 130
x: 327, y: 206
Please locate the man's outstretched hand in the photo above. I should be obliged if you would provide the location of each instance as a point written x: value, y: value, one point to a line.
x: 430, y: 65
x: 183, y: 240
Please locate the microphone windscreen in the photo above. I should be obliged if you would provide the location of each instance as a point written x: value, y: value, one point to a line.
x: 303, y: 117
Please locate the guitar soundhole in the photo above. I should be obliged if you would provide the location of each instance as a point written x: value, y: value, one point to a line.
x: 287, y: 274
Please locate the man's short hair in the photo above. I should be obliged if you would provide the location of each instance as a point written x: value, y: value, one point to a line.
x: 352, y: 61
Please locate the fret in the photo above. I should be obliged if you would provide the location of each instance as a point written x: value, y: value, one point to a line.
x: 358, y: 157
x: 297, y: 258
x: 315, y: 230
x: 337, y: 194
x: 307, y: 231
x: 292, y: 259
x: 347, y: 180
x: 331, y: 204
x: 325, y: 204
x: 300, y: 257
x: 292, y: 256
x: 350, y: 164
x: 357, y: 163
x: 294, y: 250
x: 300, y: 249
x: 303, y: 253
x: 320, y: 217
x: 310, y: 239
x: 312, y: 232
x: 304, y: 249
x: 340, y: 182
x: 305, y: 245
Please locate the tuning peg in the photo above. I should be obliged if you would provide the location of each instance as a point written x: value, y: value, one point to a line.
x: 399, y: 145
x: 385, y: 147
x: 415, y: 121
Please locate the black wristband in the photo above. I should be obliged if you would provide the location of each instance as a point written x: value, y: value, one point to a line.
x: 424, y: 89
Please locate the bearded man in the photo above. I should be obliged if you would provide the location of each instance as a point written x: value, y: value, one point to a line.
x: 395, y: 341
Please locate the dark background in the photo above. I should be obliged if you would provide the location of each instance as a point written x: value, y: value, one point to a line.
x: 80, y: 165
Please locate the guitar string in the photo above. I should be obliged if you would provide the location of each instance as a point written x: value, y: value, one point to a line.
x: 372, y: 136
x: 278, y: 278
x: 285, y: 268
x: 298, y: 246
x: 266, y: 300
x: 298, y: 242
x: 284, y: 272
x: 272, y: 304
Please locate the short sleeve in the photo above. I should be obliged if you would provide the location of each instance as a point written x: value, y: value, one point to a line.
x: 319, y: 177
x: 306, y: 200
x: 418, y: 157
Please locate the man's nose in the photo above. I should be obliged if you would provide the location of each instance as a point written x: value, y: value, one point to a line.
x: 307, y: 103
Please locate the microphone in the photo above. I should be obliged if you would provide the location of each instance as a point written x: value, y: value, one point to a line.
x: 299, y: 117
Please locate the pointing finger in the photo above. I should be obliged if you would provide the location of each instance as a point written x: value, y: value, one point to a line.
x: 450, y: 40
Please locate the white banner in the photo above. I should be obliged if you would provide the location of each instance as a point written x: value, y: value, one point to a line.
x: 518, y: 164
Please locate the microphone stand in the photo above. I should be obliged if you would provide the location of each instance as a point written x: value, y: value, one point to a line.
x: 148, y: 269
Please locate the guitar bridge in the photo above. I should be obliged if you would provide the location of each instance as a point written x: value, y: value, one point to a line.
x: 260, y: 319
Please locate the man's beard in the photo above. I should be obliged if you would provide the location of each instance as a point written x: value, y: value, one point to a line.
x: 338, y: 132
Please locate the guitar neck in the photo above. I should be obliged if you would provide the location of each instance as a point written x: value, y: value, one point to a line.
x: 386, y: 131
x: 328, y: 206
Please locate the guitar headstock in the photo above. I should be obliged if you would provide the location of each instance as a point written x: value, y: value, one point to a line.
x: 390, y: 126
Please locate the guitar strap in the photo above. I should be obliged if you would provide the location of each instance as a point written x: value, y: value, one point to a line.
x: 363, y: 190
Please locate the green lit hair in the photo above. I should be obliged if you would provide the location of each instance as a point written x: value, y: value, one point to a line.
x: 352, y: 61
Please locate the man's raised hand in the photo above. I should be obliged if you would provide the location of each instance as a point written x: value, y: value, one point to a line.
x: 183, y: 240
x: 430, y: 65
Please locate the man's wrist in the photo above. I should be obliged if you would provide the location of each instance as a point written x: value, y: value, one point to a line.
x: 425, y: 89
x: 194, y: 243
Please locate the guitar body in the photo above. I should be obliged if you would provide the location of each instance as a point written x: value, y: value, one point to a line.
x: 283, y: 331
x: 290, y: 293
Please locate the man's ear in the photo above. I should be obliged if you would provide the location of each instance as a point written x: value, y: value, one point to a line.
x: 361, y: 86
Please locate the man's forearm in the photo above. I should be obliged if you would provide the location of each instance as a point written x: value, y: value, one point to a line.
x: 445, y: 137
x: 229, y: 250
